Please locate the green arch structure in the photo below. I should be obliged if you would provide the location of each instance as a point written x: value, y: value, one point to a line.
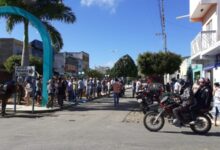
x: 47, y: 50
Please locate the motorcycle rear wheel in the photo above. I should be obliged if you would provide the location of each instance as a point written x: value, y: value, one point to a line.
x: 202, y: 126
x: 149, y: 121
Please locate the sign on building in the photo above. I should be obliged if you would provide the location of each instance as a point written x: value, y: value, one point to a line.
x: 25, y: 71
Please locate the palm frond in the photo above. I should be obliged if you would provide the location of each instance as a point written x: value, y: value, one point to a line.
x: 12, y: 20
x: 56, y: 37
x: 58, y: 12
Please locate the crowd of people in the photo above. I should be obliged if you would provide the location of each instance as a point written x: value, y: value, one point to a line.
x: 70, y: 89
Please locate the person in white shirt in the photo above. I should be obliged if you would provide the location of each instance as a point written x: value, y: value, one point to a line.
x: 138, y: 86
x: 216, y: 96
x: 177, y: 87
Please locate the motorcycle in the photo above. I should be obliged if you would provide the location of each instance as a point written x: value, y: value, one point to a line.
x: 155, y: 120
x: 148, y: 100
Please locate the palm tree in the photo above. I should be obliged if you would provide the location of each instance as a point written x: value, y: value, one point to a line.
x: 45, y: 10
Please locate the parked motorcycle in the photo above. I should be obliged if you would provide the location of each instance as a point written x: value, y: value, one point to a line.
x: 148, y: 98
x: 154, y: 120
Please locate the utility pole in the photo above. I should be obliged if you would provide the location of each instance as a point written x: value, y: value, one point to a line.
x: 163, y: 33
x: 163, y: 25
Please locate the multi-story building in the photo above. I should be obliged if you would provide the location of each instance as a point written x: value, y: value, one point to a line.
x: 184, y: 68
x: 59, y: 64
x: 9, y: 47
x: 83, y: 58
x: 37, y: 48
x: 72, y: 63
x: 205, y: 47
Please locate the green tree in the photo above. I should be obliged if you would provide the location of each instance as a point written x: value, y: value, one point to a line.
x: 124, y: 67
x: 158, y: 63
x: 45, y: 10
x: 94, y: 74
x: 14, y: 60
x: 189, y: 75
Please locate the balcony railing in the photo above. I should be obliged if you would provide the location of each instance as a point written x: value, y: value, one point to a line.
x: 203, y: 41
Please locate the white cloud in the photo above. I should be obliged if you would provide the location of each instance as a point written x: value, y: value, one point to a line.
x: 107, y: 4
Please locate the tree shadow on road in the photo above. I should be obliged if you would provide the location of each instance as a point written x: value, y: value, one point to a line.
x: 106, y: 104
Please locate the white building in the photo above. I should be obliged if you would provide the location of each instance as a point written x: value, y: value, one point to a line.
x: 59, y: 63
x: 205, y: 47
x: 184, y: 68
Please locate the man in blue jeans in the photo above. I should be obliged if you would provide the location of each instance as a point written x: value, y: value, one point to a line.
x: 116, y: 91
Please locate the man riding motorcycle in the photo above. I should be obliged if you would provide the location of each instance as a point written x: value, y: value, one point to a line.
x: 202, y: 98
x: 186, y: 97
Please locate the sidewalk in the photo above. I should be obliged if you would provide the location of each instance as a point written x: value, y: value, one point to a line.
x: 37, y: 109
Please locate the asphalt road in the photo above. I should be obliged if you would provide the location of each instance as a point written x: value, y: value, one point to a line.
x: 97, y: 125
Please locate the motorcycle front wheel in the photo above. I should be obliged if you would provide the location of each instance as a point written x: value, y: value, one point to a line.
x: 153, y: 122
x: 202, y: 124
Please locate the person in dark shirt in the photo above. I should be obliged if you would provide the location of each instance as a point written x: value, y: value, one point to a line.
x: 202, y: 98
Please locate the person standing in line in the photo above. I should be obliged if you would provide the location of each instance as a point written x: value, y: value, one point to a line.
x: 133, y: 87
x: 75, y: 88
x: 70, y: 89
x: 50, y: 90
x: 21, y: 92
x: 61, y: 91
x: 38, y: 90
x: 94, y: 81
x: 28, y: 91
x: 99, y: 88
x: 116, y: 90
x: 80, y: 88
x: 109, y: 87
x: 89, y: 88
x: 216, y: 96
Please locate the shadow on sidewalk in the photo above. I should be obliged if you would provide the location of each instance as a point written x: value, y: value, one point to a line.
x: 22, y: 115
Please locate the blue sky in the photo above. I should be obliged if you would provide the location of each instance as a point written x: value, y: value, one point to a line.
x: 109, y: 29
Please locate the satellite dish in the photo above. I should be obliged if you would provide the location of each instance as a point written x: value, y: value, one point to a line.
x: 181, y: 17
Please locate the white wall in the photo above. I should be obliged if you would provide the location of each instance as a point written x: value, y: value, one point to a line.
x: 216, y: 75
x: 211, y: 15
x: 193, y: 5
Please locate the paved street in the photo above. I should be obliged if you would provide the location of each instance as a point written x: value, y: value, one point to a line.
x: 97, y: 125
